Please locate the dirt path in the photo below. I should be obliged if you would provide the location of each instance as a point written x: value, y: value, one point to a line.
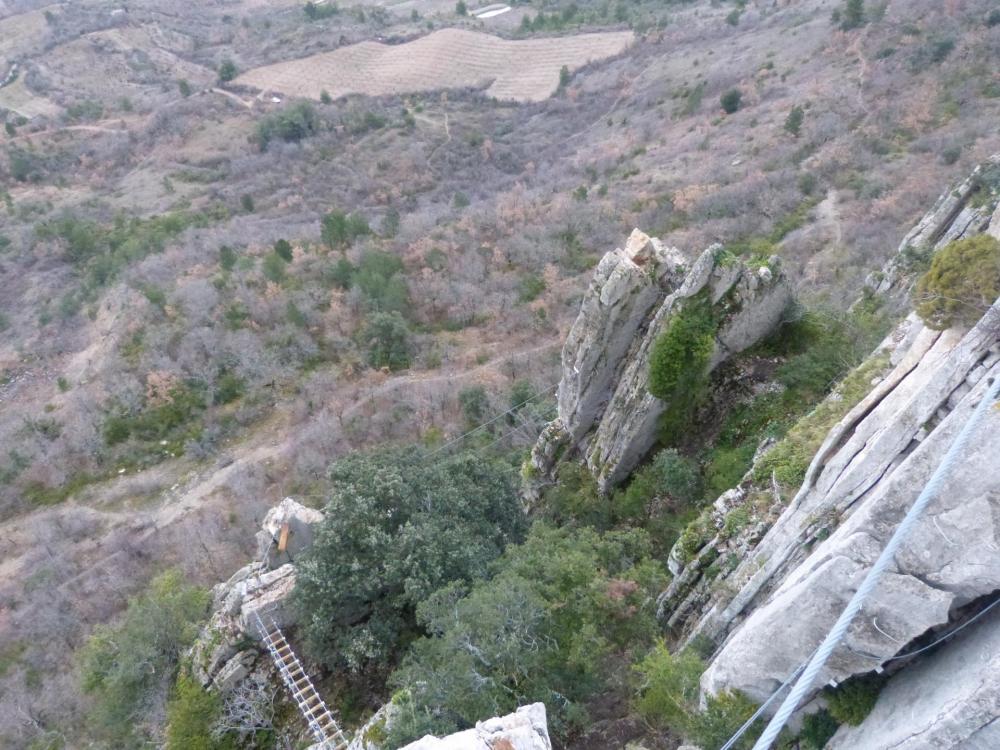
x: 828, y: 216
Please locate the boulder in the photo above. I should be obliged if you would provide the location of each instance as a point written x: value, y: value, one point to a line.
x: 266, y: 597
x: 525, y: 729
x: 301, y: 521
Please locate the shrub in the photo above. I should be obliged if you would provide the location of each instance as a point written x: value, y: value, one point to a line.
x: 544, y: 628
x: 678, y: 363
x: 668, y: 695
x: 962, y: 282
x: 731, y: 100
x: 316, y: 12
x: 817, y: 729
x: 530, y: 286
x: 853, y: 15
x: 398, y: 528
x: 227, y: 258
x: 793, y: 123
x: 475, y: 404
x: 993, y: 19
x: 290, y: 124
x: 733, y: 18
x: 324, y: 97
x: 191, y: 716
x: 388, y: 339
x: 852, y: 700
x: 951, y: 154
x: 564, y: 77
x: 246, y: 203
x: 283, y: 249
x: 380, y: 278
x: 339, y: 230
x: 273, y: 268
x: 227, y: 70
x: 124, y: 664
x: 461, y: 9
x: 184, y: 87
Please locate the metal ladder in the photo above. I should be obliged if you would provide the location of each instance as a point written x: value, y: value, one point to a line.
x: 319, y: 718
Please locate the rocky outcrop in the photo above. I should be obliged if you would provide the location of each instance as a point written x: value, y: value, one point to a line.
x: 960, y: 212
x: 779, y: 602
x: 606, y: 412
x: 222, y: 655
x: 949, y: 700
x: 296, y: 522
x: 525, y: 729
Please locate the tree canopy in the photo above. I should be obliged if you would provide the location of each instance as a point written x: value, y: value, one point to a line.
x: 396, y: 530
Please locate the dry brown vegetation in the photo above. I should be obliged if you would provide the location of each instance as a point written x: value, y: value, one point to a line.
x: 497, y: 212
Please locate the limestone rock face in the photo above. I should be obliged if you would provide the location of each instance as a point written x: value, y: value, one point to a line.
x: 771, y: 612
x: 868, y: 472
x: 962, y: 211
x: 301, y: 523
x: 525, y: 729
x: 949, y: 700
x: 606, y: 412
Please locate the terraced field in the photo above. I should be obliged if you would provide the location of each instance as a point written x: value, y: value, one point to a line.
x: 519, y: 70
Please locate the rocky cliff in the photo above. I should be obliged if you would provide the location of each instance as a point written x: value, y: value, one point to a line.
x: 803, y: 561
x: 606, y: 412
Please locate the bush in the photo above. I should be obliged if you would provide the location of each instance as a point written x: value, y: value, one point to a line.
x: 993, y: 19
x: 731, y: 100
x: 852, y: 700
x: 380, y: 277
x: 669, y: 477
x: 388, y: 339
x: 817, y: 729
x: 668, y: 695
x: 124, y: 664
x: 227, y: 70
x: 793, y: 123
x: 227, y: 258
x: 290, y: 124
x: 853, y: 15
x: 544, y: 628
x: 397, y: 529
x: 678, y: 363
x: 283, y: 249
x: 339, y: 230
x: 475, y: 404
x: 962, y: 283
x: 246, y: 203
x: 461, y: 9
x: 191, y: 716
x: 184, y: 87
x: 531, y: 285
x: 273, y: 268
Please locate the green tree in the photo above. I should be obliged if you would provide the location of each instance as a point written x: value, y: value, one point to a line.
x: 339, y: 230
x: 246, y: 202
x: 227, y: 70
x: 962, y: 282
x: 380, y: 278
x: 544, y: 627
x: 853, y: 14
x: 461, y: 8
x: 283, y: 249
x: 793, y: 123
x: 184, y: 87
x: 227, y: 258
x: 192, y: 714
x: 475, y: 404
x: 731, y: 100
x: 388, y: 339
x: 398, y: 528
x: 125, y: 664
x: 678, y: 362
x: 564, y: 77
x: 290, y: 124
x: 668, y: 697
x: 273, y: 268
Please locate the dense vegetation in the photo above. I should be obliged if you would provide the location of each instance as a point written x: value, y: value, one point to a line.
x: 963, y: 281
x: 125, y: 665
x: 397, y: 529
